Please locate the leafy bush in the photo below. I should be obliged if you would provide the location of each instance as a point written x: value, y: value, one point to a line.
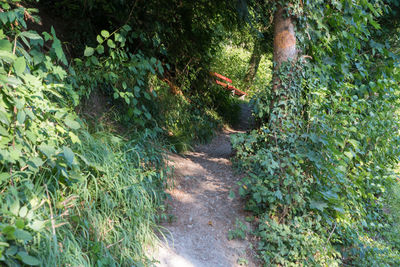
x: 68, y: 197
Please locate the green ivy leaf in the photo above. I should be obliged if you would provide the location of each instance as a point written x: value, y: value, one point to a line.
x: 319, y: 205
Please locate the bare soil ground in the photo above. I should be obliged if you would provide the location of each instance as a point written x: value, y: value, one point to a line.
x: 203, y: 213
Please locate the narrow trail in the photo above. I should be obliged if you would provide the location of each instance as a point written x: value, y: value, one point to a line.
x: 202, y: 211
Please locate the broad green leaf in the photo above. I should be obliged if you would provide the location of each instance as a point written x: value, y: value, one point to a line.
x: 110, y: 43
x: 31, y: 35
x: 20, y: 223
x: 14, y: 208
x: 88, y: 51
x: 15, y: 154
x: 21, y: 116
x: 348, y: 154
x: 71, y: 123
x: 19, y: 65
x: 100, y: 49
x: 8, y: 231
x: 68, y: 155
x: 319, y: 205
x: 99, y: 39
x: 105, y: 33
x: 22, y: 235
x: 37, y: 162
x: 4, y: 176
x: 5, y: 45
x: 278, y: 194
x: 75, y: 139
x: 3, y: 17
x: 126, y: 28
x: 37, y: 225
x: 58, y: 47
x: 20, y: 103
x: 47, y: 150
x: 27, y: 259
x: 11, y: 251
x: 23, y: 211
x: 146, y: 95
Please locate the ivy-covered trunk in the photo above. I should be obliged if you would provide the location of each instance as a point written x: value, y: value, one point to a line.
x: 285, y: 55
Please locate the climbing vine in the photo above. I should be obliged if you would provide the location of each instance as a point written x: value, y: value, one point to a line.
x: 320, y: 165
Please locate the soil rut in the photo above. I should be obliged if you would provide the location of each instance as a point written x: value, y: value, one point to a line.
x: 202, y: 211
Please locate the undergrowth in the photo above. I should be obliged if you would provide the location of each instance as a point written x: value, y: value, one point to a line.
x: 320, y: 168
x: 70, y: 197
x: 111, y: 214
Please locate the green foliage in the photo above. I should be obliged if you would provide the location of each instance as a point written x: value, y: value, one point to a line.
x: 183, y: 120
x: 111, y: 213
x: 321, y: 163
x: 19, y: 226
x: 232, y: 61
x: 239, y: 232
x: 68, y: 197
x: 120, y: 74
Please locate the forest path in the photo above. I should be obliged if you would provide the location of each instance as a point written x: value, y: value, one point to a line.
x: 201, y: 208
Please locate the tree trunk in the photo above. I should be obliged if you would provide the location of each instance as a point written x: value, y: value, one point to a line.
x: 284, y: 38
x: 253, y: 63
x: 284, y: 51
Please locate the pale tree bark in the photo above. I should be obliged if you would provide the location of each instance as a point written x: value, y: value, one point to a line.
x: 284, y: 51
x: 284, y: 38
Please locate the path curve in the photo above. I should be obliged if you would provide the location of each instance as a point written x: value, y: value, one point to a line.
x: 202, y: 211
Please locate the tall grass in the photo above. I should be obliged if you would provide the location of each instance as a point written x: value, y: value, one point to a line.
x: 110, y: 216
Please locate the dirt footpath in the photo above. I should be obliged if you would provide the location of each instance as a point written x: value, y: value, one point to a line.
x: 202, y: 212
